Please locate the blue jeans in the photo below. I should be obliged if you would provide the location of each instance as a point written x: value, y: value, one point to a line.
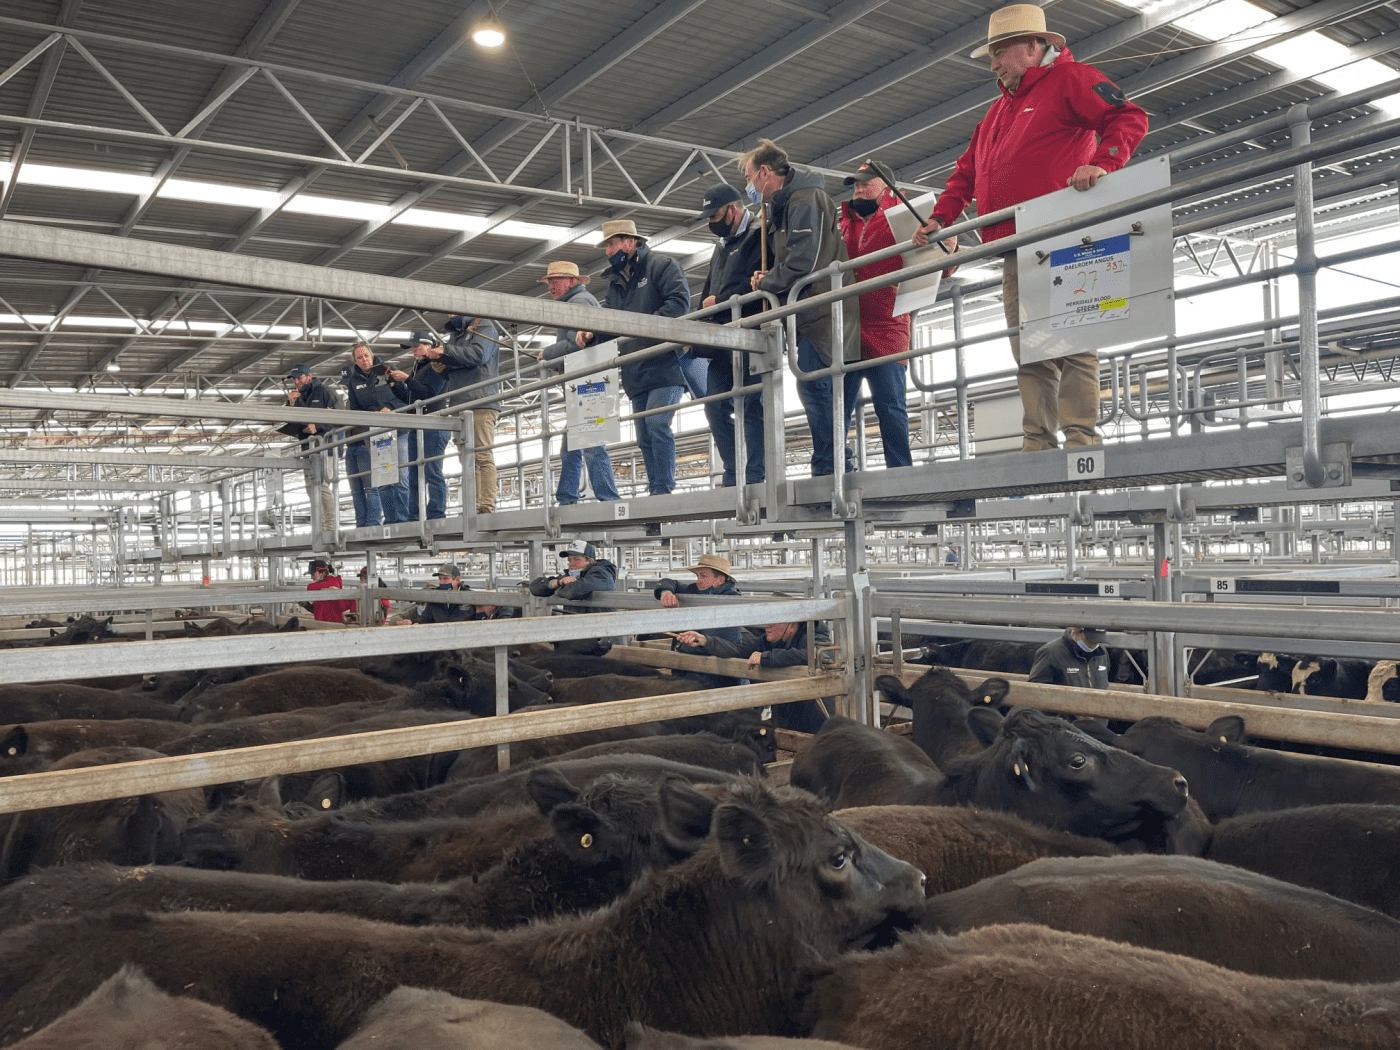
x: 815, y: 396
x: 600, y: 473
x: 888, y: 394
x: 394, y: 498
x: 721, y: 417
x: 694, y: 369
x: 434, y: 444
x: 654, y: 436
x: 365, y: 497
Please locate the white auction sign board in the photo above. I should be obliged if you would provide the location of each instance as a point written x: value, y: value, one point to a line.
x: 917, y: 293
x: 593, y: 402
x: 1106, y: 284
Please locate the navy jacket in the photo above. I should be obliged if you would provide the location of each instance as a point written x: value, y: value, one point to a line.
x: 424, y: 382
x: 368, y: 392
x: 314, y: 395
x: 731, y: 266
x: 728, y: 634
x: 600, y: 576
x: 441, y: 612
x: 1062, y: 662
x: 471, y: 359
x: 791, y: 653
x: 650, y: 283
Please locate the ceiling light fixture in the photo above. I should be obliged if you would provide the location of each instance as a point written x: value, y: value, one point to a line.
x: 489, y: 32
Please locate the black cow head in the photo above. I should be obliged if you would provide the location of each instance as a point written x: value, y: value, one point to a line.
x: 1062, y: 777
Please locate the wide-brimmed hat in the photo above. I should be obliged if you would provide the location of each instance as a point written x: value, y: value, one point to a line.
x: 319, y: 563
x: 1007, y: 23
x: 716, y: 562
x: 621, y: 228
x: 563, y: 268
x: 586, y: 551
x: 716, y: 197
x: 421, y: 335
x: 448, y: 570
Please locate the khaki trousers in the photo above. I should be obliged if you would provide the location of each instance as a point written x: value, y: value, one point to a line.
x: 1061, y: 393
x: 483, y: 437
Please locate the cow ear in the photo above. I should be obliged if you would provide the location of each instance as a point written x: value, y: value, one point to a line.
x: 577, y: 828
x: 1098, y: 729
x: 327, y: 792
x: 893, y: 689
x: 992, y: 691
x: 15, y: 744
x: 549, y: 788
x: 1228, y: 729
x: 985, y: 723
x: 270, y: 792
x: 686, y: 814
x: 745, y: 846
x: 1021, y: 766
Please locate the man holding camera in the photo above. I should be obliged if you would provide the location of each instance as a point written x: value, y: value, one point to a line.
x: 427, y: 380
x: 309, y: 392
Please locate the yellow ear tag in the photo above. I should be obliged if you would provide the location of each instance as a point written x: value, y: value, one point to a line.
x: 586, y: 842
x: 1016, y: 768
x: 763, y: 732
x: 12, y: 751
x: 325, y: 803
x: 1223, y: 740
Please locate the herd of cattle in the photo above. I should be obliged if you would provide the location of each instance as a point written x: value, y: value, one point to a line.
x: 996, y: 878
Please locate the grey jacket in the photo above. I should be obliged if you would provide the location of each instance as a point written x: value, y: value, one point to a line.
x: 1062, y: 662
x: 566, y: 338
x: 471, y: 358
x: 807, y: 238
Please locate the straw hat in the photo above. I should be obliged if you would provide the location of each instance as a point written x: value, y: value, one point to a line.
x: 1015, y: 20
x: 715, y: 562
x: 621, y: 228
x: 563, y: 268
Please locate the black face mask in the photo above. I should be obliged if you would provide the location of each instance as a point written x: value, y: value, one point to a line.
x: 722, y: 230
x: 864, y: 208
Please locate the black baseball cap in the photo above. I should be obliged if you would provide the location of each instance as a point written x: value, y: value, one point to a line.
x: 318, y: 563
x: 421, y: 335
x: 863, y: 174
x: 716, y: 197
x: 298, y: 370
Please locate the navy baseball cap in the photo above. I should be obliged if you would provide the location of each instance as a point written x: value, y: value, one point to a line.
x: 716, y: 197
x: 298, y: 370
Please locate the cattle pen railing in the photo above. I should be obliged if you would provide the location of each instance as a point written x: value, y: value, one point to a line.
x: 94, y: 783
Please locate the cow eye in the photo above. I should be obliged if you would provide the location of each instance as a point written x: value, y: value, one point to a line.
x: 1078, y: 762
x: 839, y: 861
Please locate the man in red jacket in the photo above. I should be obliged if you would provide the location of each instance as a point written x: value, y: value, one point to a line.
x: 1058, y: 123
x: 866, y: 230
x: 323, y: 578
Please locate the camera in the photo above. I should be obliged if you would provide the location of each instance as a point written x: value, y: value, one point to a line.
x: 379, y: 370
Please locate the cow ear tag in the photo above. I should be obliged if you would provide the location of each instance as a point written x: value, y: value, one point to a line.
x: 325, y: 803
x: 586, y: 842
x: 1016, y: 768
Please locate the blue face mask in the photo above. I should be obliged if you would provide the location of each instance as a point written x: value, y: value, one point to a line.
x: 457, y: 324
x: 618, y: 259
x: 1085, y: 646
x: 751, y: 191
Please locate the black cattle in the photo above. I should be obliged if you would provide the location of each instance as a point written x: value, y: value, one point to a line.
x: 33, y: 746
x: 1324, y: 676
x: 939, y: 702
x: 283, y: 690
x: 708, y: 750
x: 1038, y: 767
x: 575, y: 665
x: 420, y: 1019
x: 1215, y: 912
x: 1023, y: 987
x: 1383, y: 683
x: 1225, y: 668
x: 1228, y: 777
x: 1350, y: 851
x: 128, y: 1011
x: 1275, y: 671
x: 253, y: 730
x: 138, y: 830
x: 45, y: 702
x: 956, y: 846
x: 1007, y: 657
x: 640, y: 1037
x: 717, y: 945
x: 603, y: 838
x: 82, y: 631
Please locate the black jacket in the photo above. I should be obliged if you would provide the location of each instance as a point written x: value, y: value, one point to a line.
x: 1062, y: 662
x: 791, y: 653
x: 471, y: 358
x: 731, y: 267
x: 314, y: 394
x: 807, y: 238
x: 650, y: 283
x: 441, y: 612
x: 599, y: 576
x: 373, y: 390
x: 729, y: 634
x: 424, y: 382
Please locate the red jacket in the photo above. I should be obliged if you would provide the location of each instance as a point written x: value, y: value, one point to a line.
x: 880, y: 333
x: 1061, y: 116
x: 334, y: 610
